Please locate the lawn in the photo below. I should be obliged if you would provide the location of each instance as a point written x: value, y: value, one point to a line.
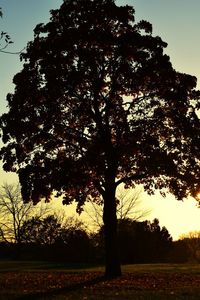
x: 42, y: 280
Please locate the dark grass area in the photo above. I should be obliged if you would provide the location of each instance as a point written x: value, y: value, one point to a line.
x: 43, y: 280
x: 33, y: 266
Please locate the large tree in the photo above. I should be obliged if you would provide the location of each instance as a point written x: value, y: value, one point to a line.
x: 98, y: 104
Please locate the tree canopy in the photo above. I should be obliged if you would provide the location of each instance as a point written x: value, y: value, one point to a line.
x: 98, y: 104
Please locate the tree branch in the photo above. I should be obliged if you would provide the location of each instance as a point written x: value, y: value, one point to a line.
x: 127, y: 178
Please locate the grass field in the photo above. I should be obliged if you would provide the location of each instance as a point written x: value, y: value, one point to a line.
x: 43, y: 280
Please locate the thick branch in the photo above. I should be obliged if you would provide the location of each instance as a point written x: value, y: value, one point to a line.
x: 128, y: 178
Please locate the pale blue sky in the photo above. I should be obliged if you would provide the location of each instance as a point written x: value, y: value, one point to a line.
x: 177, y: 22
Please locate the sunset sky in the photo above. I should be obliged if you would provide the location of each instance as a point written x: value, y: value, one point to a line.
x: 177, y: 22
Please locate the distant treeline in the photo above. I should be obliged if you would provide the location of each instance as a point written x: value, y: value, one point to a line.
x: 139, y: 242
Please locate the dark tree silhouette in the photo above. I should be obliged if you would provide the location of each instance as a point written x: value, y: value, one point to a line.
x: 139, y: 242
x: 98, y: 104
x: 49, y: 230
x: 52, y: 240
x: 14, y: 212
x: 179, y: 253
x: 41, y: 231
x: 143, y: 242
x: 192, y: 242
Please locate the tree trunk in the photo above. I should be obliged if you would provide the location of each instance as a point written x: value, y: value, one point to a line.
x: 112, y: 263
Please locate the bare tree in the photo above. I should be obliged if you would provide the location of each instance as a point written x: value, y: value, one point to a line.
x: 128, y: 206
x: 14, y: 212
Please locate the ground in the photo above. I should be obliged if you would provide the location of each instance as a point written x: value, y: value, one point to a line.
x: 25, y: 280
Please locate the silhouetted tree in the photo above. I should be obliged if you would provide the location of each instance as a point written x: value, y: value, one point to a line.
x: 192, y: 242
x: 139, y: 242
x: 179, y: 252
x: 41, y: 231
x: 143, y: 242
x: 157, y: 242
x: 98, y: 104
x: 68, y: 241
x: 77, y: 241
x: 14, y: 212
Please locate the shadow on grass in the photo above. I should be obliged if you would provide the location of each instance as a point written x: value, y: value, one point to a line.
x: 76, y: 287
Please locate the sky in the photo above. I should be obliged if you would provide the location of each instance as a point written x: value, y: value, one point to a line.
x: 177, y: 22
